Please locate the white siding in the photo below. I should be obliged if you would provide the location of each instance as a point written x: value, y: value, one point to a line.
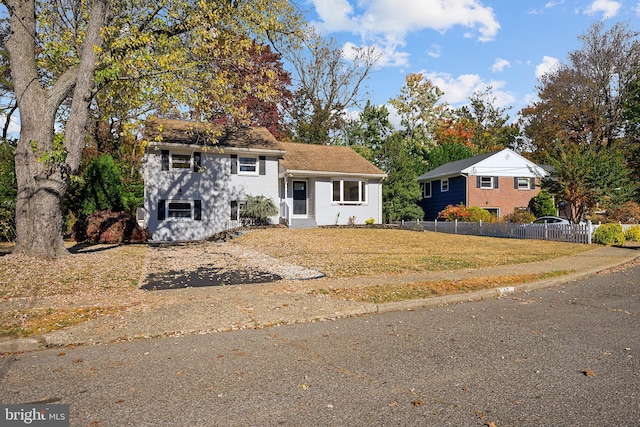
x: 328, y: 213
x: 215, y: 186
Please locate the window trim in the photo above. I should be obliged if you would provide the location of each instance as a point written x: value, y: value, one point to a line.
x: 487, y: 185
x: 255, y: 164
x: 195, y: 209
x: 444, y: 185
x: 528, y: 181
x: 426, y: 185
x: 168, y: 161
x: 363, y: 191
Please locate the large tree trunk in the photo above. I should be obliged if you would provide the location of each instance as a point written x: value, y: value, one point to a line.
x: 41, y: 187
x: 42, y: 170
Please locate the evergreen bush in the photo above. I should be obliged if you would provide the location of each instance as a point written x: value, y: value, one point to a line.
x: 609, y: 234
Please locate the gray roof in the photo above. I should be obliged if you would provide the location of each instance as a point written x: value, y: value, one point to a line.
x: 454, y: 168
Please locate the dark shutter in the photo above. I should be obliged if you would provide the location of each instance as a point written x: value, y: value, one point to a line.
x: 495, y: 182
x: 165, y: 160
x: 234, y: 210
x: 197, y: 161
x: 477, y: 181
x: 162, y: 206
x: 197, y: 210
x: 532, y: 183
x: 261, y: 165
x: 234, y: 164
x: 515, y: 182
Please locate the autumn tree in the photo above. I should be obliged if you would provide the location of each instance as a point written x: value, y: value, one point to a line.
x: 489, y: 125
x: 328, y: 80
x: 588, y: 177
x: 421, y: 115
x: 156, y: 58
x: 582, y: 102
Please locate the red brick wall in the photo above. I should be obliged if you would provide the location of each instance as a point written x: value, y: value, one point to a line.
x: 505, y: 197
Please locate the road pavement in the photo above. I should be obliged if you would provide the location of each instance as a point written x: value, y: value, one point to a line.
x: 565, y: 355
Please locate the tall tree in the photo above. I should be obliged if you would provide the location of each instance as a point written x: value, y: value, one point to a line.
x: 421, y: 114
x: 582, y: 102
x: 589, y: 177
x: 155, y: 57
x: 328, y: 80
x: 368, y: 133
x: 489, y: 125
x: 401, y: 191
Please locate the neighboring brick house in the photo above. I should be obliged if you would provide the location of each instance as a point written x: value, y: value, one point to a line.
x: 197, y: 177
x: 499, y: 182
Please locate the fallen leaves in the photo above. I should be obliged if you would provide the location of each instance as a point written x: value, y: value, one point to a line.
x: 588, y: 372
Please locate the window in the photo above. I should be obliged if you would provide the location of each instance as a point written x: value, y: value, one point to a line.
x: 353, y: 192
x: 426, y: 190
x: 522, y: 183
x: 444, y: 185
x: 486, y: 182
x: 180, y: 209
x: 181, y: 161
x: 248, y: 165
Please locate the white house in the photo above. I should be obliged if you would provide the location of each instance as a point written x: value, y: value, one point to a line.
x: 197, y: 177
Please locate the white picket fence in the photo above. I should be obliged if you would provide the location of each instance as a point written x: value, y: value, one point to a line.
x: 573, y: 233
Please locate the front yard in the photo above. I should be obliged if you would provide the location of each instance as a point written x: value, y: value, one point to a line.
x: 38, y: 296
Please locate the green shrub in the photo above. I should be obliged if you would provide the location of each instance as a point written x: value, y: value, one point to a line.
x: 477, y: 214
x: 609, y: 234
x: 259, y: 209
x: 542, y: 205
x: 633, y: 233
x: 370, y: 221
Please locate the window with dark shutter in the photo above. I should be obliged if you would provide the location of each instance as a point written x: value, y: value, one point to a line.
x: 495, y: 182
x: 234, y: 164
x: 261, y: 165
x: 515, y: 183
x: 197, y: 210
x: 165, y: 160
x: 162, y: 205
x: 532, y: 184
x: 197, y: 162
x: 478, y: 182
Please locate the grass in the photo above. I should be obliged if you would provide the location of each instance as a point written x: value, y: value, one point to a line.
x: 379, y: 294
x: 39, y: 296
x: 351, y: 252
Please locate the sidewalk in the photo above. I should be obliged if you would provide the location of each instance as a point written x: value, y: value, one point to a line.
x: 207, y: 310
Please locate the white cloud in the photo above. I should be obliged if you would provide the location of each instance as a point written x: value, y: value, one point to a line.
x: 435, y: 51
x: 457, y: 90
x: 387, y: 23
x: 548, y: 64
x: 608, y: 8
x: 500, y: 65
x: 636, y: 9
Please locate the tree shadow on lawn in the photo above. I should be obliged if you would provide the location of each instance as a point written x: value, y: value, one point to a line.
x: 206, y: 276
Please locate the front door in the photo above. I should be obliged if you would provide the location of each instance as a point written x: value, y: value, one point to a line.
x: 299, y: 197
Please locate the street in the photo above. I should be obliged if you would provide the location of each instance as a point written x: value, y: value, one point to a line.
x: 563, y: 356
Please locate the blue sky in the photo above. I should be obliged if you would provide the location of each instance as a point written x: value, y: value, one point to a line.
x: 463, y: 46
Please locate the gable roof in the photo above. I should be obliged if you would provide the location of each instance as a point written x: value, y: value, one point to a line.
x: 505, y: 162
x: 173, y: 131
x: 327, y: 159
